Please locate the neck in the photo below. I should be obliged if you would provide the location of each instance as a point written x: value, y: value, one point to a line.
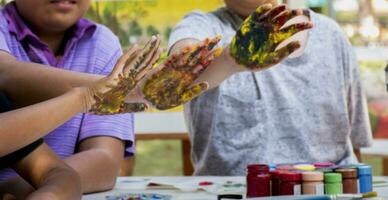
x: 53, y: 40
x: 245, y: 9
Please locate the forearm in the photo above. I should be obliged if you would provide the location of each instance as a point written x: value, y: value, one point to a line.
x: 357, y: 152
x: 16, y: 187
x: 26, y: 125
x: 97, y: 169
x: 28, y: 83
x: 59, y: 183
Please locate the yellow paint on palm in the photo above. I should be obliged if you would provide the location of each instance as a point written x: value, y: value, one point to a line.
x: 170, y: 87
x: 255, y: 42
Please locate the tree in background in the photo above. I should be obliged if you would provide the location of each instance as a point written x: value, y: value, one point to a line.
x: 151, y: 30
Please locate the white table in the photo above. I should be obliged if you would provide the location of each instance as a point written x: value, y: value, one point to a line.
x: 379, y: 149
x: 131, y: 185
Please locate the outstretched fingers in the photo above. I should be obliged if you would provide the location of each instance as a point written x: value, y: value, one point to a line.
x: 295, y: 28
x: 128, y: 56
x: 206, y: 49
x: 285, y: 51
x: 273, y: 12
x: 260, y: 11
x: 144, y: 58
x: 205, y: 62
x: 286, y: 15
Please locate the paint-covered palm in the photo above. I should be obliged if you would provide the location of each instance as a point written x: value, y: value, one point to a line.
x: 172, y: 85
x: 255, y: 42
x: 109, y: 93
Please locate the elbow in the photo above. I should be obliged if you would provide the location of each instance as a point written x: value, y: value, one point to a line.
x: 109, y: 184
x: 73, y: 187
x: 109, y: 181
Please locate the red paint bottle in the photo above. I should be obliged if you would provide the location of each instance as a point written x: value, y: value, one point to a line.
x: 290, y: 183
x: 275, y: 183
x: 258, y: 181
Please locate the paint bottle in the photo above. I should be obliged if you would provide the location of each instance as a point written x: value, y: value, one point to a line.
x: 258, y: 181
x: 313, y: 183
x: 333, y: 183
x: 275, y: 183
x: 365, y: 178
x: 349, y: 180
x: 290, y: 183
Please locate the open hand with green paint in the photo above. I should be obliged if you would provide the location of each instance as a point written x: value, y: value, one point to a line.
x: 254, y: 45
x: 108, y: 96
x: 171, y: 84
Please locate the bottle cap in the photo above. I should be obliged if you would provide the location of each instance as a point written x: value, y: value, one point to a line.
x: 333, y: 178
x: 290, y: 176
x: 284, y: 167
x: 258, y: 168
x: 323, y: 164
x: 305, y: 167
x: 272, y: 166
x: 312, y: 176
x: 347, y: 172
x: 325, y: 170
x: 364, y: 170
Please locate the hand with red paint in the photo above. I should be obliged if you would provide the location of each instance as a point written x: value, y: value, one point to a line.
x: 109, y: 94
x: 254, y: 45
x: 171, y: 85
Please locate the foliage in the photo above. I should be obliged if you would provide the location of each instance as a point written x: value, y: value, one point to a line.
x: 151, y: 30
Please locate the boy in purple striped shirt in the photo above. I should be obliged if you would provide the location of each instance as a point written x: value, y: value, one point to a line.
x: 52, y: 32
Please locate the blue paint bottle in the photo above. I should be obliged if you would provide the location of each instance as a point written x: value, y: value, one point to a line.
x: 365, y: 178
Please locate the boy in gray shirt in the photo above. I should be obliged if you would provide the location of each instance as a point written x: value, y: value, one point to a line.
x: 306, y: 109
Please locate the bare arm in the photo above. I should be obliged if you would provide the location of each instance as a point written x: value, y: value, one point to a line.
x: 357, y: 152
x: 27, y: 83
x: 98, y: 162
x: 51, y: 176
x: 26, y: 125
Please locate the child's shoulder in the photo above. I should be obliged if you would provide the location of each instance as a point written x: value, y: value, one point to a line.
x: 103, y: 31
x: 104, y: 37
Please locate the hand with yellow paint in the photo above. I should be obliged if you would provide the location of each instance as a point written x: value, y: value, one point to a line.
x: 108, y: 96
x: 172, y: 83
x: 254, y: 45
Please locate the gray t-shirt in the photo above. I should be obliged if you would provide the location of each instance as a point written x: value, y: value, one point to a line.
x: 306, y: 109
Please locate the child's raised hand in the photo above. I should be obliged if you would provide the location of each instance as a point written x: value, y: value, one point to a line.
x: 108, y: 95
x: 171, y: 84
x: 254, y: 44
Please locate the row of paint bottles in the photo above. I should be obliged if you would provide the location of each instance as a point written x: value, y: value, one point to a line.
x: 283, y: 183
x: 262, y: 182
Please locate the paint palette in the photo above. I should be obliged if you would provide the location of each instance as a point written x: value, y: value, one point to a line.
x: 139, y: 197
x: 302, y: 36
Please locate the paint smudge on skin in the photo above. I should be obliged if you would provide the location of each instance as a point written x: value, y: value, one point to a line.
x: 171, y: 86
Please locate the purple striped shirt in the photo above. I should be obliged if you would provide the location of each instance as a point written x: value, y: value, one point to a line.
x: 91, y: 48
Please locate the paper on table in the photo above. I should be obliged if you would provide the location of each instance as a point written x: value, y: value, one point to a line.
x: 216, y: 187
